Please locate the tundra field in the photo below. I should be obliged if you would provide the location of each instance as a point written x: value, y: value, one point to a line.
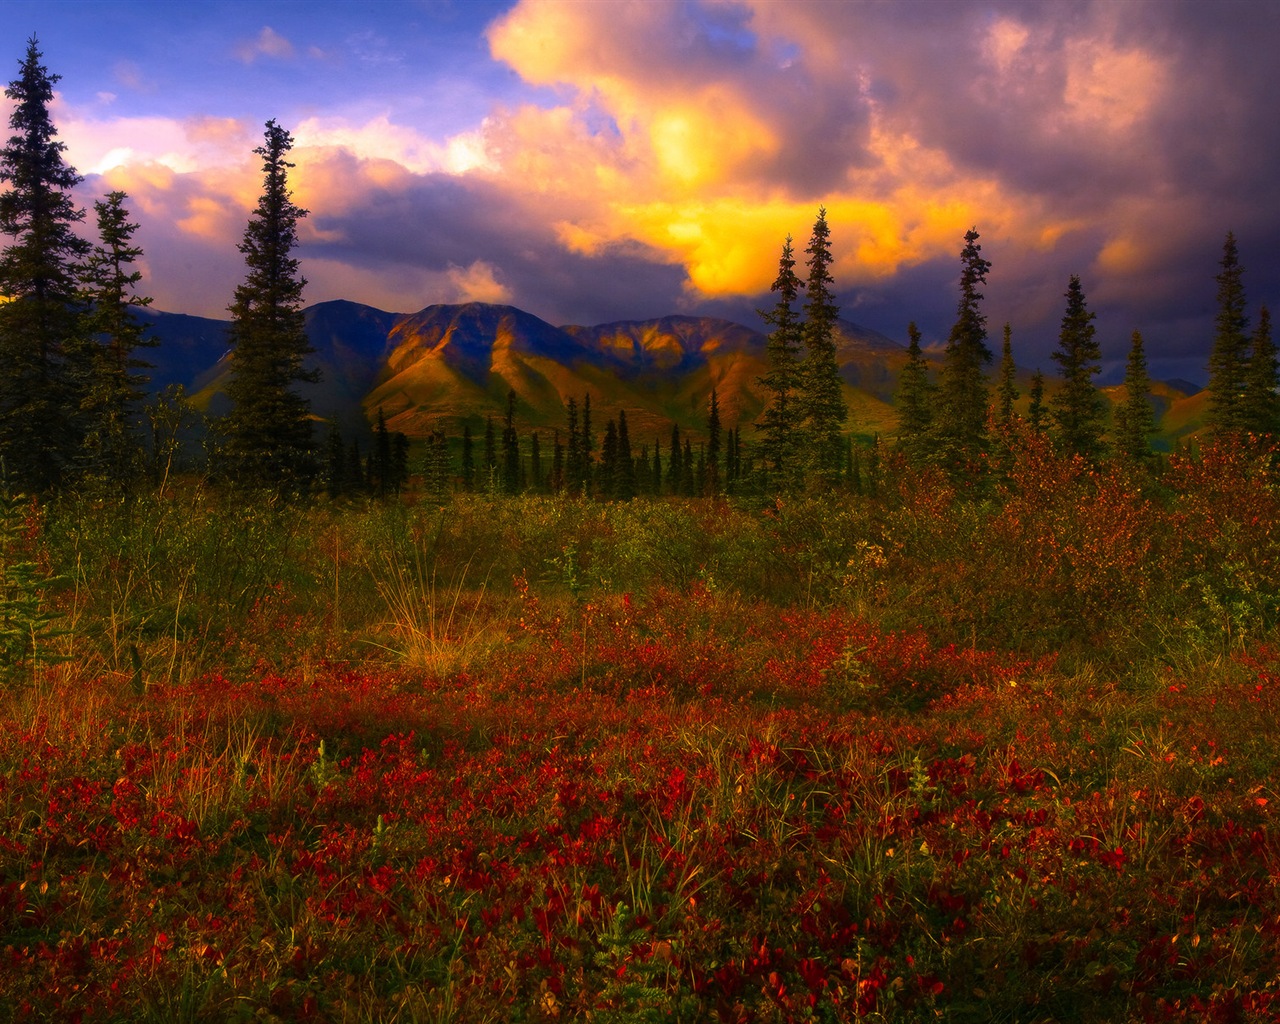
x: 1006, y: 753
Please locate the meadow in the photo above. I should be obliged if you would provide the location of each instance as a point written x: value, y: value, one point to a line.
x: 935, y: 751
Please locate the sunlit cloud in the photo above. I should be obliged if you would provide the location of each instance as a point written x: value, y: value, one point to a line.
x: 267, y: 43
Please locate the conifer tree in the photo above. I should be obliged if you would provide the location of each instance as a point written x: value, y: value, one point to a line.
x: 588, y: 444
x: 557, y: 465
x: 914, y: 399
x: 535, y: 462
x: 111, y: 391
x: 1036, y: 411
x: 1078, y: 406
x: 688, y: 471
x: 380, y: 458
x: 1135, y: 422
x: 510, y: 448
x: 490, y: 480
x: 269, y: 426
x: 1260, y: 406
x: 1007, y: 388
x: 624, y: 486
x: 574, y: 467
x: 780, y: 421
x: 1228, y: 362
x: 711, y: 483
x: 821, y: 389
x: 353, y: 478
x: 607, y: 471
x: 675, y: 464
x: 655, y: 475
x: 335, y: 463
x: 962, y: 425
x: 468, y: 459
x: 38, y: 277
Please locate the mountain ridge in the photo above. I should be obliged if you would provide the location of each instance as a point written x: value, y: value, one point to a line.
x: 453, y: 364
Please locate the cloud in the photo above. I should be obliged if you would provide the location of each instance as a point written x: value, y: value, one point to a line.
x: 267, y: 43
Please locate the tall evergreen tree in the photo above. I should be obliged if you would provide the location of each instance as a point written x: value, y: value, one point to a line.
x: 535, y: 462
x: 607, y: 471
x: 380, y: 471
x: 557, y: 465
x: 655, y: 475
x: 711, y: 485
x: 780, y: 421
x: 38, y: 277
x: 468, y: 459
x: 962, y: 425
x: 574, y: 463
x: 914, y: 399
x: 588, y: 444
x: 1228, y: 362
x: 1260, y: 406
x: 1135, y: 421
x: 624, y: 485
x: 1078, y: 406
x: 490, y: 480
x: 335, y: 462
x: 510, y: 448
x: 821, y: 389
x: 1007, y: 387
x: 269, y: 426
x: 1036, y: 411
x: 688, y: 471
x: 675, y: 464
x: 112, y: 391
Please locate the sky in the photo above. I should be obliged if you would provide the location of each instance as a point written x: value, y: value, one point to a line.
x: 600, y: 160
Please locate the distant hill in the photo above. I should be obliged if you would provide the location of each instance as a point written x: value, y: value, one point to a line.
x: 447, y: 365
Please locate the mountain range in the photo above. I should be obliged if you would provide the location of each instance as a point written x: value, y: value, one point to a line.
x: 447, y: 365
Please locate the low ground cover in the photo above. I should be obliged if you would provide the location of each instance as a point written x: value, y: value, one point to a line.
x: 377, y: 776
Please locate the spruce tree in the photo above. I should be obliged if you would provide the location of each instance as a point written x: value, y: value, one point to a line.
x: 269, y: 426
x: 380, y: 471
x: 711, y: 484
x: 1036, y: 411
x: 1260, y: 406
x: 1228, y: 362
x: 780, y: 421
x: 557, y: 464
x: 821, y: 389
x: 1135, y: 421
x: 510, y: 448
x: 574, y: 464
x: 607, y: 471
x: 1007, y: 388
x: 624, y: 485
x: 535, y: 462
x: 1078, y: 406
x: 914, y: 399
x: 490, y: 479
x: 111, y: 390
x: 38, y: 278
x: 588, y: 444
x: 675, y: 463
x: 962, y: 425
x: 468, y: 459
x: 335, y: 463
x: 688, y: 471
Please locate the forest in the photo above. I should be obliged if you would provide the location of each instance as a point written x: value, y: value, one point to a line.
x: 974, y: 723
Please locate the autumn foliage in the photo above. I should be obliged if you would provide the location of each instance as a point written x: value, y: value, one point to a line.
x: 922, y: 755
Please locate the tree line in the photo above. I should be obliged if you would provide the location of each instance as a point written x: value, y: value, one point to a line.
x: 73, y: 388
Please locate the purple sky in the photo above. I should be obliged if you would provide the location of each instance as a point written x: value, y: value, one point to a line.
x: 596, y: 161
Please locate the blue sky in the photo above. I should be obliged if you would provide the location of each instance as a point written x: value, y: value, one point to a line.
x: 594, y: 161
